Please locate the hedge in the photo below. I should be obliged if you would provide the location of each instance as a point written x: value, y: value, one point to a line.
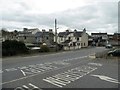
x: 13, y: 47
x: 44, y: 48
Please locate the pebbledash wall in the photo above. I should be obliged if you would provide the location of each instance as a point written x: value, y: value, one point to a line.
x: 82, y: 43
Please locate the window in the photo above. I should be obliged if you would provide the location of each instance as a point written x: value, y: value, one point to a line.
x: 84, y: 44
x: 71, y: 44
x: 24, y: 37
x: 47, y: 38
x: 78, y: 39
x: 81, y: 44
x: 69, y: 38
x: 74, y: 44
x: 61, y: 39
x: 78, y: 44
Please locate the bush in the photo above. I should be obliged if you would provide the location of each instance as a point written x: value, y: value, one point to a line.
x: 13, y: 47
x: 44, y: 48
x: 60, y: 47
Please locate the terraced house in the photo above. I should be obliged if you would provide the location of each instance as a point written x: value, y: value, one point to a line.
x: 73, y: 39
x: 35, y: 36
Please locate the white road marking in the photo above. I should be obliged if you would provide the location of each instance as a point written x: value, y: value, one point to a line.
x: 96, y: 64
x: 36, y: 73
x: 54, y: 83
x: 23, y: 72
x: 23, y: 67
x: 33, y: 85
x: 60, y: 63
x: 11, y: 69
x: 106, y: 78
x: 24, y: 86
x: 48, y: 63
x: 37, y: 68
x: 19, y: 88
x: 67, y: 77
x: 70, y: 59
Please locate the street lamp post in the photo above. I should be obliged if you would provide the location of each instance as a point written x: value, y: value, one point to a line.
x: 56, y: 33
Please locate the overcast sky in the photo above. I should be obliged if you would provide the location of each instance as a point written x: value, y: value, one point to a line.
x: 94, y: 15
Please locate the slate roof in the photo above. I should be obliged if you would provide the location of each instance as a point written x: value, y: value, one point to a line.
x: 90, y: 36
x: 117, y: 34
x: 98, y: 33
x: 38, y: 34
x: 78, y: 34
x: 31, y: 30
x: 64, y: 34
x: 25, y: 34
x: 67, y: 41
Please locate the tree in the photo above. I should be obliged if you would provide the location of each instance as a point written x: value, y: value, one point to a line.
x: 15, y: 32
x: 4, y: 32
x: 13, y: 47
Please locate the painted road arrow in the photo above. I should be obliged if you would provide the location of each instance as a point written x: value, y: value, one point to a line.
x: 106, y: 78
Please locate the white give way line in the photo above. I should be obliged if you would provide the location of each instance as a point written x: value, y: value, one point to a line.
x: 106, y: 78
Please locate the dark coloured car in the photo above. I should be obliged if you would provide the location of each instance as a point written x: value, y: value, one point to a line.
x: 108, y: 46
x: 115, y: 52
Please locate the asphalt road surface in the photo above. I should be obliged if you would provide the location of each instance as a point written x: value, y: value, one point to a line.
x: 72, y: 69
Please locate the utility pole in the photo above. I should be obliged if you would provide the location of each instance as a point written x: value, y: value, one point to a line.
x: 56, y: 33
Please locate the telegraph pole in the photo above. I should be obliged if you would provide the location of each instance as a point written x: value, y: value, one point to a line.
x: 56, y: 33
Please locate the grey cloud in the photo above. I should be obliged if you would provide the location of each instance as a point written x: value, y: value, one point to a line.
x: 93, y: 17
x: 90, y: 16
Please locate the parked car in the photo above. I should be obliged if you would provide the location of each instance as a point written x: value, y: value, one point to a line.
x: 115, y: 52
x: 108, y: 46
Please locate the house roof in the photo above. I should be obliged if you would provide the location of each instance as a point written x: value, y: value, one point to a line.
x: 25, y: 33
x: 31, y: 30
x: 47, y: 33
x: 39, y: 34
x: 110, y: 35
x: 62, y: 34
x: 67, y: 41
x: 117, y: 34
x: 78, y: 34
x: 90, y: 36
x: 98, y: 33
x: 30, y: 35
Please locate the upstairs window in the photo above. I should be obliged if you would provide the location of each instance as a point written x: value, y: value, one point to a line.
x: 24, y: 37
x: 78, y: 44
x: 69, y: 38
x: 61, y: 39
x: 81, y: 44
x: 47, y: 38
x: 84, y: 44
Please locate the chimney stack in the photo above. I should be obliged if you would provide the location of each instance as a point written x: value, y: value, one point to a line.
x: 25, y: 29
x: 43, y: 30
x: 75, y: 30
x: 67, y: 31
x: 50, y: 31
x: 84, y: 30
